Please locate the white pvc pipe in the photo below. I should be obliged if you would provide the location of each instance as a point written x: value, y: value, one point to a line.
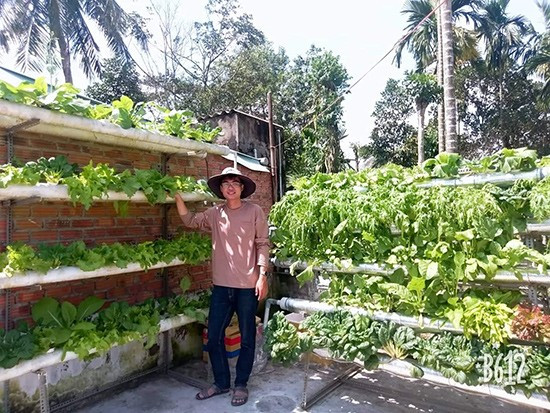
x: 502, y: 277
x: 81, y: 128
x: 539, y: 227
x: 52, y: 192
x: 55, y: 356
x: 497, y: 178
x: 65, y: 274
x: 427, y: 324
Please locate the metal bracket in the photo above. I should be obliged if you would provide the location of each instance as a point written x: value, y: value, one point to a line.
x: 43, y: 390
x: 10, y: 132
x: 532, y: 294
x: 23, y: 125
x: 338, y: 381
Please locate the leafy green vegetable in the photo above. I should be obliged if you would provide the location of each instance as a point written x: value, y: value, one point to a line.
x: 123, y: 111
x: 191, y: 248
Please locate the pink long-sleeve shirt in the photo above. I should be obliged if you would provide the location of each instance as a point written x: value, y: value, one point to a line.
x: 240, y: 242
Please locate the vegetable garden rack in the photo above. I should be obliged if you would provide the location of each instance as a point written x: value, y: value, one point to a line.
x: 17, y: 117
x: 537, y: 286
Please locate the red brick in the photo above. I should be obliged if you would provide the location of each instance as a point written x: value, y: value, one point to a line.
x: 57, y: 223
x: 95, y: 233
x: 117, y: 292
x: 83, y: 290
x: 147, y: 276
x: 20, y: 236
x: 71, y: 211
x: 200, y: 276
x: 105, y: 222
x: 80, y: 223
x: 127, y: 222
x: 70, y: 234
x: 105, y: 283
x: 43, y: 235
x: 153, y: 285
x: 28, y: 223
x: 21, y: 310
x: 69, y: 147
x: 100, y: 209
x: 58, y: 291
x: 44, y: 211
x: 28, y: 296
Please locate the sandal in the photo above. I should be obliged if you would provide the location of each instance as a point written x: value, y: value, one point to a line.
x: 240, y: 396
x: 210, y: 392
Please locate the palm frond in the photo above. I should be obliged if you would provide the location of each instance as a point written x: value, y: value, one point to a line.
x: 29, y: 24
x: 82, y: 41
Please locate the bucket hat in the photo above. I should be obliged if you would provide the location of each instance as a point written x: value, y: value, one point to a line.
x: 214, y: 182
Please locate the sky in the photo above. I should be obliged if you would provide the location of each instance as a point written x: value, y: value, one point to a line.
x: 359, y: 32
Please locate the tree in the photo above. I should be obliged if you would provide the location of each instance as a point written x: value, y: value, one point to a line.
x: 117, y: 79
x: 449, y: 101
x: 494, y: 112
x: 30, y: 23
x: 311, y: 107
x: 503, y: 39
x: 425, y: 90
x: 425, y: 44
x: 393, y: 139
x: 194, y: 61
x: 539, y: 62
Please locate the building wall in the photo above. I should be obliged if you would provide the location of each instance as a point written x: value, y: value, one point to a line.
x: 61, y: 222
x: 243, y: 133
x: 229, y: 135
x: 253, y: 137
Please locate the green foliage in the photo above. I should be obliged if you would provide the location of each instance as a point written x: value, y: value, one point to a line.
x: 16, y: 345
x: 357, y: 338
x: 312, y: 107
x: 345, y: 335
x: 491, y: 122
x: 88, y: 333
x: 431, y: 240
x: 282, y: 341
x: 487, y: 316
x: 191, y: 248
x: 393, y: 139
x: 123, y: 111
x: 93, y: 182
x: 454, y: 356
x: 538, y: 199
x: 117, y: 79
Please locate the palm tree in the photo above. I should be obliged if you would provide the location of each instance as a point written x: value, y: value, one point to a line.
x: 425, y: 44
x: 425, y: 90
x: 503, y: 39
x: 540, y: 60
x: 449, y: 100
x: 32, y: 23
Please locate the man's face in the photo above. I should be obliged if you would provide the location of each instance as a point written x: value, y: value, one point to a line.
x: 231, y: 188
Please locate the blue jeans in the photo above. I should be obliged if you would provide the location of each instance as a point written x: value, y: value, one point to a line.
x: 224, y: 303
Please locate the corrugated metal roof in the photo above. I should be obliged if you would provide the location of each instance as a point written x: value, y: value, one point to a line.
x: 254, y: 164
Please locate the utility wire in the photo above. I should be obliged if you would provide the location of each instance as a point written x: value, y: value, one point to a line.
x: 348, y: 90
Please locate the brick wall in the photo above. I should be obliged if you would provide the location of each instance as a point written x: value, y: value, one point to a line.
x: 61, y: 222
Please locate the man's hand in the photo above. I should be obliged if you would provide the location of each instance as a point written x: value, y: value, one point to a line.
x: 261, y: 287
x: 180, y: 204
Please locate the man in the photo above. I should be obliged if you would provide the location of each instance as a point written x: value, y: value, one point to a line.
x: 240, y: 252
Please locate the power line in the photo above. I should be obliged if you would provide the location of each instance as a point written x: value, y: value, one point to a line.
x: 348, y: 90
